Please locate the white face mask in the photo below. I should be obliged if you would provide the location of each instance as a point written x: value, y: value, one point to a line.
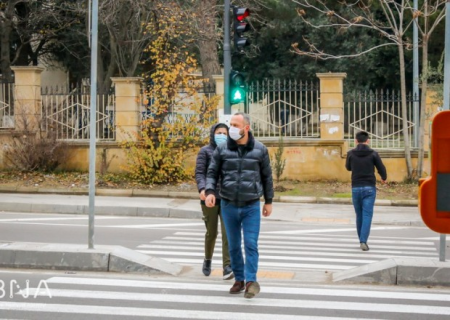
x: 235, y: 133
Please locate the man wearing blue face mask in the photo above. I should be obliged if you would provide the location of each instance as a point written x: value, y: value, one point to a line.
x: 219, y: 134
x: 241, y: 167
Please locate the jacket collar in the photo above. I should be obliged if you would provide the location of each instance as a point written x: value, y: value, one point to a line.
x: 232, y: 145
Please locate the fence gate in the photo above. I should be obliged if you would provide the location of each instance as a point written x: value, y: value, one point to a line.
x: 66, y: 112
x: 6, y: 104
x: 287, y: 108
x: 380, y: 114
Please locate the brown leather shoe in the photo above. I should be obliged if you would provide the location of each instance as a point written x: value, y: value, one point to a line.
x: 237, y: 287
x: 251, y: 289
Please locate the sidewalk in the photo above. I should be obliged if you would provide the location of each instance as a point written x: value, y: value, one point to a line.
x: 186, y: 205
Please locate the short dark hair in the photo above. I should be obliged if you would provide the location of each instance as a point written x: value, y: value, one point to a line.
x: 244, y: 115
x: 362, y: 136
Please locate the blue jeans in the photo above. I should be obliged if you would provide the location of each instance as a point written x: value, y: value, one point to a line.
x: 363, y: 202
x: 247, y: 219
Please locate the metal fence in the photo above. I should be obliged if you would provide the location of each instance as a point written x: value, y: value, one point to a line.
x: 66, y: 112
x: 6, y: 105
x: 287, y: 108
x: 380, y: 114
x: 180, y: 108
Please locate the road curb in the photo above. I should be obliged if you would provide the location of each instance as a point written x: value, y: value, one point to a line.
x: 192, y: 195
x: 159, y: 212
x: 398, y: 271
x: 24, y: 255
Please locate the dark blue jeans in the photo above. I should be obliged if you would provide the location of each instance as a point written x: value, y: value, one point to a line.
x: 363, y: 202
x: 248, y: 221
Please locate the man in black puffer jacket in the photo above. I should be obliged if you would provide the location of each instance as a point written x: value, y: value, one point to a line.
x: 361, y: 161
x: 218, y: 135
x: 243, y: 165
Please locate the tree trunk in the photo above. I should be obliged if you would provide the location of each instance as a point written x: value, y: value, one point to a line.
x: 423, y: 102
x: 208, y: 41
x: 406, y: 137
x: 5, y: 64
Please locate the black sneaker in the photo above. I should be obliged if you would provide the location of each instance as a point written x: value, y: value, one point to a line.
x: 364, y: 246
x: 206, y: 267
x: 228, y: 273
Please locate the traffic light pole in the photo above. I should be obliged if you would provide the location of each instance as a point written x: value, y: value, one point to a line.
x: 226, y: 58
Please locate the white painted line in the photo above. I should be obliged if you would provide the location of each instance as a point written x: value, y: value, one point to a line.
x: 376, y: 249
x: 332, y: 291
x: 146, y: 312
x: 263, y: 250
x: 319, y: 238
x: 328, y: 244
x: 265, y: 257
x: 260, y: 302
x: 57, y: 219
x: 154, y: 225
x: 266, y: 264
x: 333, y: 230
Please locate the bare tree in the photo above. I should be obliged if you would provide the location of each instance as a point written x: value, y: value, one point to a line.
x: 360, y: 14
x: 25, y: 29
x: 127, y: 21
x: 428, y: 17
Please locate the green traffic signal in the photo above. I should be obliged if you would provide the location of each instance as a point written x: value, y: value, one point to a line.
x: 237, y: 87
x: 237, y: 95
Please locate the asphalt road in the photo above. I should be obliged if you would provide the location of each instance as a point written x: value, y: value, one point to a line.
x: 58, y: 295
x: 286, y: 246
x: 296, y: 261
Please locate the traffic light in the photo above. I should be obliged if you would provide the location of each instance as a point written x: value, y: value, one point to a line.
x: 434, y: 200
x: 237, y: 87
x: 239, y: 27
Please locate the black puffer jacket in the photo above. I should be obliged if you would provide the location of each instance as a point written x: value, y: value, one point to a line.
x: 204, y: 158
x: 244, y: 177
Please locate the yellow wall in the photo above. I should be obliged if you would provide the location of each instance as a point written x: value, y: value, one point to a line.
x: 311, y: 160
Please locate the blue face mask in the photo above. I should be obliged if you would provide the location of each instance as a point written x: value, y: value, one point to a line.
x: 220, y: 138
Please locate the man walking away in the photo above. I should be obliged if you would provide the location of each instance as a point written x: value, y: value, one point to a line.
x: 243, y: 166
x: 361, y: 161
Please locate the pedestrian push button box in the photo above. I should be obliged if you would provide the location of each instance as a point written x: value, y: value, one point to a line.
x: 434, y: 191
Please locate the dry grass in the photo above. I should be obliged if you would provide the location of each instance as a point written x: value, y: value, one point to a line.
x: 64, y: 180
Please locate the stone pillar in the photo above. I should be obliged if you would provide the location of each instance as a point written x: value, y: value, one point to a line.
x: 128, y: 108
x: 220, y: 88
x: 27, y: 98
x: 331, y: 105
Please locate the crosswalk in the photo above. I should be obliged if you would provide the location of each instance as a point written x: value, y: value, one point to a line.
x: 320, y: 251
x: 81, y: 297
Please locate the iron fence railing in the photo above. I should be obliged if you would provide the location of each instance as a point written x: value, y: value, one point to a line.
x: 380, y: 114
x: 287, y: 108
x: 180, y: 107
x: 6, y: 105
x: 66, y: 112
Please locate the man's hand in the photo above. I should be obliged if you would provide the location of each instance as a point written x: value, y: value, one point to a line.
x: 267, y: 210
x: 210, y: 201
x: 383, y: 181
x: 202, y: 195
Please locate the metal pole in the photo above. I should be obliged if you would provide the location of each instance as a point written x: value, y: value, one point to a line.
x: 442, y: 244
x: 93, y: 119
x: 447, y: 57
x: 226, y: 58
x: 416, y: 77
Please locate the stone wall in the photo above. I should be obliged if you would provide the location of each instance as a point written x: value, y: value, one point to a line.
x: 306, y: 159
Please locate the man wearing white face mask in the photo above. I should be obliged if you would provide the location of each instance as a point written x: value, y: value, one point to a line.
x: 242, y: 168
